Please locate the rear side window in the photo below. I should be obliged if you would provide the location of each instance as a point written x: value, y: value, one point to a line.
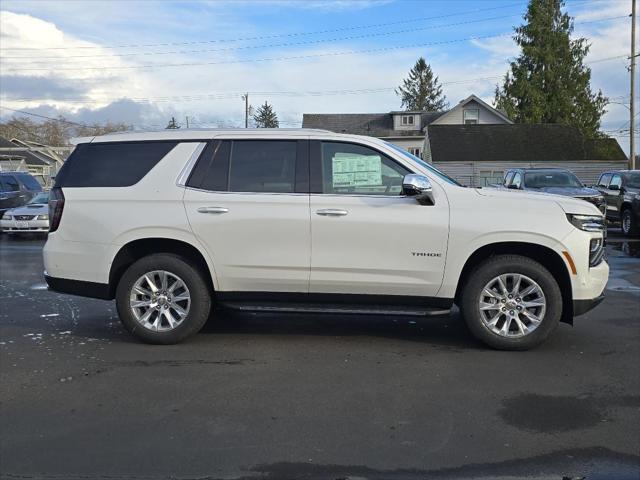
x: 9, y: 183
x: 508, y: 178
x: 113, y: 164
x: 263, y: 166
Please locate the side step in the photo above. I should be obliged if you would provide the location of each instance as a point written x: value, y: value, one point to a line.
x: 418, y: 311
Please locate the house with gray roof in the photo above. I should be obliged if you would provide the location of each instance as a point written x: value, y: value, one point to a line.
x: 478, y: 155
x: 406, y: 128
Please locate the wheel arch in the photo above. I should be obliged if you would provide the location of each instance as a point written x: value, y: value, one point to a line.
x: 546, y: 256
x: 141, y: 247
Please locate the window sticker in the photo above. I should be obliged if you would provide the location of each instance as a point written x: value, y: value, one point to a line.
x: 351, y: 170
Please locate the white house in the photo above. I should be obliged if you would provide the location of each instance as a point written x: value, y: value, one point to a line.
x: 406, y: 129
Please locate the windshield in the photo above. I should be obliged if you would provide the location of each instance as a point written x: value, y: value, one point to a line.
x: 42, y: 197
x: 424, y: 164
x: 551, y: 179
x: 633, y: 180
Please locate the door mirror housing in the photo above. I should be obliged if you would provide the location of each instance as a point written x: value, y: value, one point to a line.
x: 614, y: 187
x: 418, y: 186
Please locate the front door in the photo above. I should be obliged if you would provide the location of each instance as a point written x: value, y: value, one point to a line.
x: 365, y: 237
x: 247, y: 201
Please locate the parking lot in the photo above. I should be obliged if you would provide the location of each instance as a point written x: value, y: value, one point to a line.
x: 279, y: 397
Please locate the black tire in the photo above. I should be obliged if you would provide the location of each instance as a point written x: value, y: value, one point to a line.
x: 490, y: 269
x: 628, y: 223
x: 198, y: 290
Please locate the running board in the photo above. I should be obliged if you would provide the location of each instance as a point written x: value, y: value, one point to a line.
x: 336, y: 309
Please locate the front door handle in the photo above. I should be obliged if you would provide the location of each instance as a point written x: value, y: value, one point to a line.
x: 213, y: 210
x: 332, y: 212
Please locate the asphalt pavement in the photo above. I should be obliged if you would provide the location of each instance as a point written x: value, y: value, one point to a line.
x: 312, y: 397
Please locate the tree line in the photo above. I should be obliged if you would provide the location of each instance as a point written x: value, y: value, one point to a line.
x: 548, y: 82
x: 55, y: 131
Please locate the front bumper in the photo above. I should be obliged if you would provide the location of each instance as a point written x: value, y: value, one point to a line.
x: 581, y: 307
x: 25, y: 226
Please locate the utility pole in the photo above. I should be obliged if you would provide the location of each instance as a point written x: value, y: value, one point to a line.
x: 632, y: 110
x: 245, y: 97
x: 187, y: 119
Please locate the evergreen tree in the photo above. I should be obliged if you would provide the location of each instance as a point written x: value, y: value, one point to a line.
x: 265, y: 117
x: 421, y: 90
x: 172, y: 124
x: 548, y: 82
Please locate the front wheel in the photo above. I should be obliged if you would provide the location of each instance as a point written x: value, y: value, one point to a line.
x: 629, y: 225
x: 163, y: 299
x: 511, y: 302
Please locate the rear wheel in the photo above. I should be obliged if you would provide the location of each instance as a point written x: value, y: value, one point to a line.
x: 629, y: 225
x: 162, y: 299
x: 511, y: 302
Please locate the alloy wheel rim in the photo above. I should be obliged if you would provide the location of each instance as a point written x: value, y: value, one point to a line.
x: 160, y: 301
x: 512, y: 305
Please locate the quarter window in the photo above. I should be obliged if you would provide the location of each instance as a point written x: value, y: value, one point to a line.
x: 262, y: 166
x: 354, y: 169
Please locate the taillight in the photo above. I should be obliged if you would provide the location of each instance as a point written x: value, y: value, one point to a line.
x: 56, y: 205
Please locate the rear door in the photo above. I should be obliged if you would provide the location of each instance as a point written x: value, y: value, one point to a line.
x: 247, y: 201
x: 366, y: 238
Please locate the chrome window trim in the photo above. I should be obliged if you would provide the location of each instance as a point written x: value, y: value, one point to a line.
x: 186, y: 170
x: 295, y: 194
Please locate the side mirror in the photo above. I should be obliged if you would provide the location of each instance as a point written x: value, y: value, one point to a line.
x: 614, y: 187
x: 513, y: 187
x: 418, y: 186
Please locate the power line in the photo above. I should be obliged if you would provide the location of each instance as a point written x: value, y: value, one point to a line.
x: 253, y: 47
x: 280, y: 35
x: 274, y: 45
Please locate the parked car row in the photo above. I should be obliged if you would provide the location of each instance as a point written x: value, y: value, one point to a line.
x: 23, y: 205
x: 616, y: 195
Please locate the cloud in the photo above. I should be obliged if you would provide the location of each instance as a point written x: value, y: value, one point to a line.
x: 21, y: 86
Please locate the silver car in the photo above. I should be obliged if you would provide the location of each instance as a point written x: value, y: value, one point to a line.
x: 30, y: 218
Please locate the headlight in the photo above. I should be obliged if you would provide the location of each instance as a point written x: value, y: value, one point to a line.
x: 596, y: 251
x: 42, y: 217
x: 588, y: 223
x: 7, y: 217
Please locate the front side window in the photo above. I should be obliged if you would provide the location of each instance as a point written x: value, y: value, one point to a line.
x: 616, y: 180
x: 517, y: 180
x: 354, y: 169
x: 262, y: 166
x: 471, y: 116
x: 508, y: 178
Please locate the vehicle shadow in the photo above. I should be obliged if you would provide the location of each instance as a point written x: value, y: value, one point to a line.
x: 448, y: 332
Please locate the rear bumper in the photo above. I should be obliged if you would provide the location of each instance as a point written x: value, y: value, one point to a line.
x: 79, y: 287
x: 583, y: 306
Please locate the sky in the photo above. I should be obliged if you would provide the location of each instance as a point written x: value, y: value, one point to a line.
x: 143, y: 62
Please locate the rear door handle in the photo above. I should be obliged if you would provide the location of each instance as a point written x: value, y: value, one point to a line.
x: 332, y: 212
x: 213, y: 210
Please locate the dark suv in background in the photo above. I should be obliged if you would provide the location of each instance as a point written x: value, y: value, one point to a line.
x: 17, y: 189
x: 621, y: 189
x: 552, y: 180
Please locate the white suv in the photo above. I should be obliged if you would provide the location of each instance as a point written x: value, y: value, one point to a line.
x: 173, y: 223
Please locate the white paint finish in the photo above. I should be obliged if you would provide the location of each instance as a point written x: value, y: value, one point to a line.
x: 262, y: 243
x: 276, y: 242
x: 369, y: 251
